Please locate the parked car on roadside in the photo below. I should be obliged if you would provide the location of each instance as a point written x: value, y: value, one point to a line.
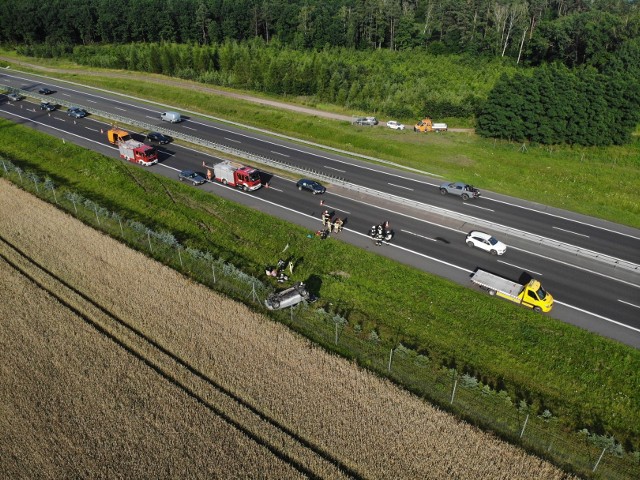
x: 48, y: 106
x: 15, y: 97
x: 366, y: 121
x: 45, y: 91
x: 460, y: 189
x: 392, y: 124
x: 158, y: 137
x: 77, y: 112
x: 485, y: 242
x: 190, y: 176
x: 310, y: 185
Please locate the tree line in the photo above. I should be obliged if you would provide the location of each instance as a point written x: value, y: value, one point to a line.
x: 402, y: 58
x: 533, y: 31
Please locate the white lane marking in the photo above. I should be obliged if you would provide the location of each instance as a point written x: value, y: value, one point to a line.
x: 519, y: 267
x: 66, y: 94
x: 562, y: 218
x: 593, y: 272
x: 478, y: 206
x: 232, y: 140
x: 400, y: 186
x: 569, y: 231
x: 153, y: 118
x: 606, y: 319
x: 361, y: 234
x: 189, y: 128
x: 279, y: 153
x: 335, y: 208
x: 628, y: 303
x: 92, y: 129
x: 336, y: 169
x: 273, y: 188
x: 418, y: 235
x: 91, y: 101
x: 121, y: 109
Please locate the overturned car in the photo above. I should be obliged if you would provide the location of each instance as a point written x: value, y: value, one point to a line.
x: 289, y: 297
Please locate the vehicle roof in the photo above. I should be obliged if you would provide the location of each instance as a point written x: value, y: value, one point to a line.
x: 186, y: 172
x: 478, y: 233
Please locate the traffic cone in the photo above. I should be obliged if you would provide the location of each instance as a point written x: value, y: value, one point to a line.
x: 321, y: 202
x: 101, y: 131
x: 266, y: 184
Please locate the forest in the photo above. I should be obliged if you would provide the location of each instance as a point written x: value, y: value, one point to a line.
x: 403, y: 58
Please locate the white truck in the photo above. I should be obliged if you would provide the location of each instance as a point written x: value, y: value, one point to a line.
x: 530, y: 295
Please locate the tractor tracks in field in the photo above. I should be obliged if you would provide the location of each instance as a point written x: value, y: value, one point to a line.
x: 298, y: 452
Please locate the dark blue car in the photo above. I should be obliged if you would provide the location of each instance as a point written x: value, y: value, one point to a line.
x: 311, y: 185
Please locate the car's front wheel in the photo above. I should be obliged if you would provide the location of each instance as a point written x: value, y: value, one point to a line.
x: 465, y: 196
x: 443, y: 191
x: 493, y: 252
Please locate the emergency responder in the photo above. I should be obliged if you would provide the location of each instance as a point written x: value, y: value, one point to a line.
x: 326, y: 218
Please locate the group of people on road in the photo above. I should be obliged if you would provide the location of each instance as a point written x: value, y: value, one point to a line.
x: 380, y: 233
x: 331, y: 225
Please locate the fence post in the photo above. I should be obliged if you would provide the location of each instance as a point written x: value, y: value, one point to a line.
x: 455, y: 384
x: 598, y: 462
x: 180, y: 257
x: 390, y: 357
x: 524, y: 426
x: 121, y: 230
x: 336, y: 324
x: 149, y: 239
x: 95, y: 209
x: 213, y: 272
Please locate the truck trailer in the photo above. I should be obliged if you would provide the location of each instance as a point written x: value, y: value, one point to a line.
x: 530, y: 295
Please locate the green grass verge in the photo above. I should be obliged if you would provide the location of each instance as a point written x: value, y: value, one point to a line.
x: 596, y: 181
x: 585, y: 380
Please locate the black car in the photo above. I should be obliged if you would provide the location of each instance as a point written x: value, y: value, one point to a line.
x: 311, y: 185
x: 191, y: 176
x: 157, y: 137
x: 48, y: 106
x: 76, y: 112
x: 45, y: 91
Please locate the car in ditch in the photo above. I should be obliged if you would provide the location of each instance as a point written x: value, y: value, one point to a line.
x: 289, y: 297
x: 45, y: 91
x: 190, y: 176
x: 486, y: 242
x: 310, y: 185
x: 461, y: 189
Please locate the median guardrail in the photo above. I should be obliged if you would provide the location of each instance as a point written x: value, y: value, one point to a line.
x: 343, y: 182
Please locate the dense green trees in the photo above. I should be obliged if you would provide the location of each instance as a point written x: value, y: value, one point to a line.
x: 404, y: 58
x: 558, y: 105
x: 572, y: 31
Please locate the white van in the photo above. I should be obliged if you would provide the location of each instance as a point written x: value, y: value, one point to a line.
x: 171, y: 117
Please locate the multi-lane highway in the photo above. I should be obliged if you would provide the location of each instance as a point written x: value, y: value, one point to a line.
x: 590, y: 293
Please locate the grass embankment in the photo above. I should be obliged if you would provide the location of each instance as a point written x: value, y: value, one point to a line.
x: 66, y: 379
x: 594, y: 181
x: 586, y: 380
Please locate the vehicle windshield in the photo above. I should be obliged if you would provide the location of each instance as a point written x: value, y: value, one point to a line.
x: 151, y: 152
x: 541, y: 293
x: 492, y: 241
x: 254, y: 176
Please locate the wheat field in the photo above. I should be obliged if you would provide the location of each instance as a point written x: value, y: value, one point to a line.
x: 114, y: 365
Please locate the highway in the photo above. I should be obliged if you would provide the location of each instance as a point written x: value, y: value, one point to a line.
x: 588, y: 293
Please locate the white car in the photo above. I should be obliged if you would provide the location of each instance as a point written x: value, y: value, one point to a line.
x: 395, y: 125
x: 486, y: 242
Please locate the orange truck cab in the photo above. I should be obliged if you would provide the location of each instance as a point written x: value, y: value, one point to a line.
x: 116, y: 135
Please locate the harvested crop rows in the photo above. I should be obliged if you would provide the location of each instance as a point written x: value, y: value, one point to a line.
x: 114, y: 365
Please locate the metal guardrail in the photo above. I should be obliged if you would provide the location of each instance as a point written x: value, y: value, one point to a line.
x: 252, y: 158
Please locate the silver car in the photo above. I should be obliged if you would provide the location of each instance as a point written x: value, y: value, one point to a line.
x: 289, y: 297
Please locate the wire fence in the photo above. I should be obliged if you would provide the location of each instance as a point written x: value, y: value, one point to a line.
x: 585, y: 453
